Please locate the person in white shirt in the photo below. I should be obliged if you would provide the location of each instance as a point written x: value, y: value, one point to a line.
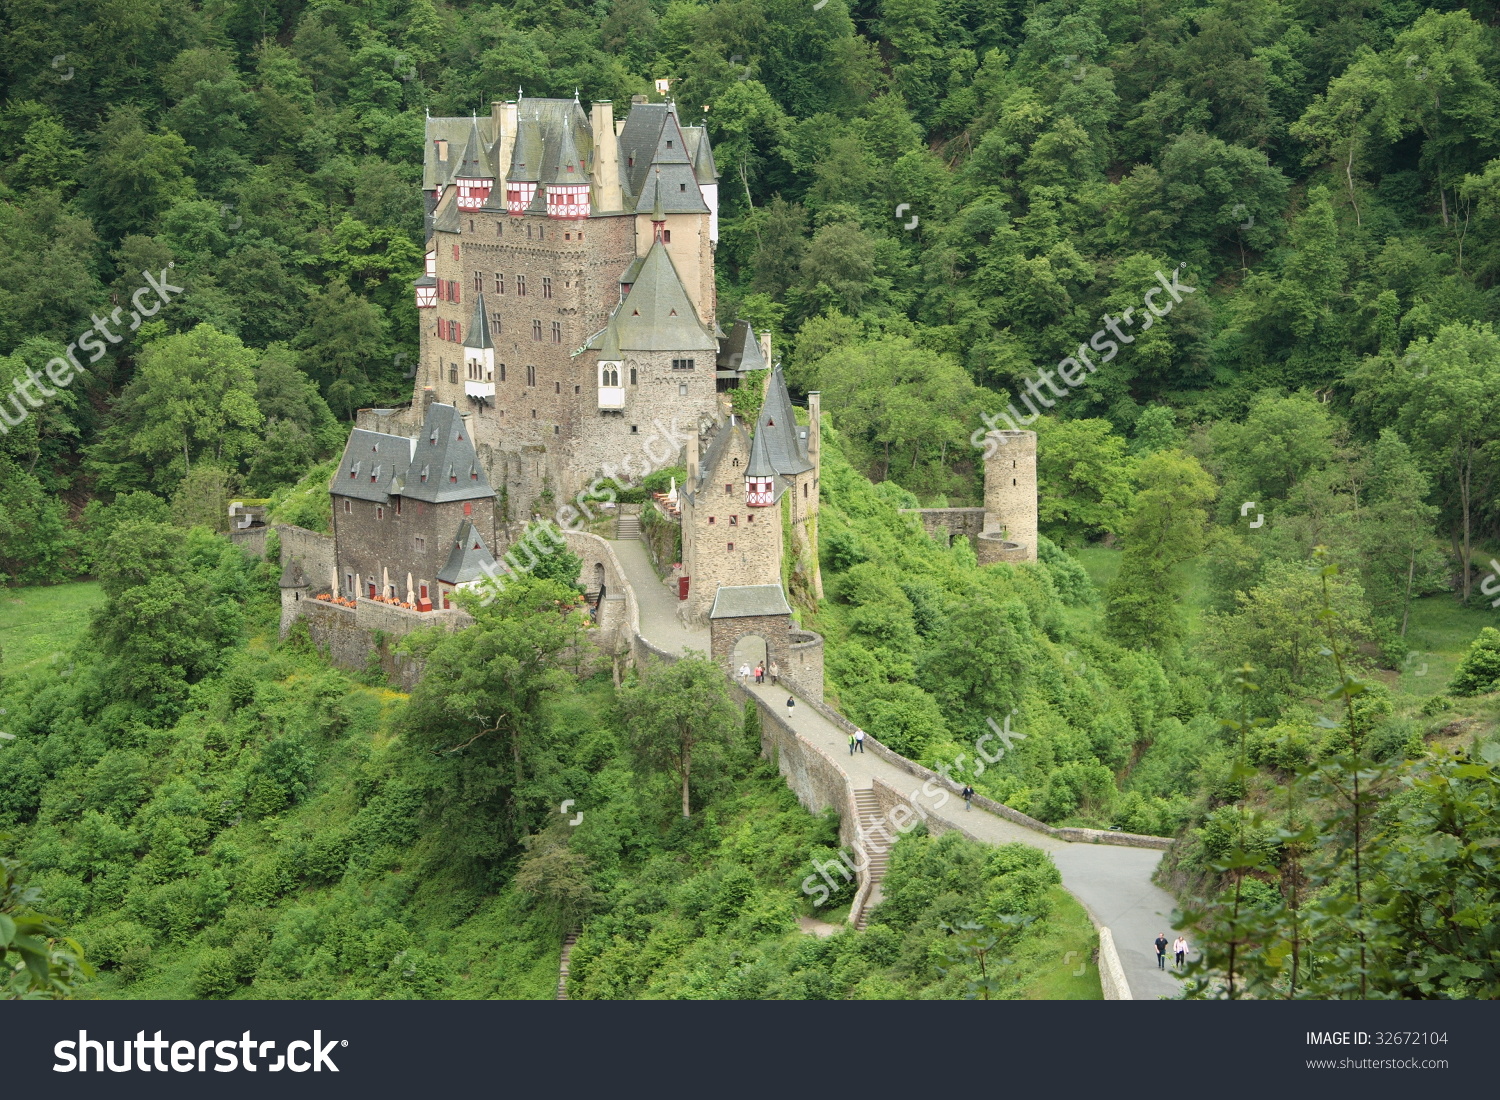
x: 745, y: 673
x: 1180, y: 949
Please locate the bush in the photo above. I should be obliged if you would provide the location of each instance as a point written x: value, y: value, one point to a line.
x: 1479, y: 671
x: 215, y: 975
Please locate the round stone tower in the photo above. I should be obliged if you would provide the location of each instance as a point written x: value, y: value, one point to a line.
x: 1010, y: 498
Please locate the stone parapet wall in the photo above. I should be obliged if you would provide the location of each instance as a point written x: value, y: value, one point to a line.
x: 946, y: 524
x: 926, y: 775
x: 991, y: 547
x: 337, y: 633
x: 804, y: 664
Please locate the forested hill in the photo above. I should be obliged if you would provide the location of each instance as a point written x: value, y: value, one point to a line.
x: 1323, y: 170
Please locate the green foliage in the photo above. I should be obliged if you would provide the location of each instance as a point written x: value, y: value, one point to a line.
x: 1479, y: 672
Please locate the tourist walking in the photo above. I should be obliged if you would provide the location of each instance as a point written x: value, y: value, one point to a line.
x: 968, y: 795
x: 1161, y: 951
x: 790, y: 705
x: 859, y: 739
x: 760, y: 674
x: 1180, y: 949
x: 775, y: 671
x: 851, y: 744
x: 745, y: 673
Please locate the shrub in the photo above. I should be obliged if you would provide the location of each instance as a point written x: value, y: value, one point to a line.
x: 1479, y: 671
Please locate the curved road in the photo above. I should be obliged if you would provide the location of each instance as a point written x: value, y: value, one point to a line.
x: 1113, y: 882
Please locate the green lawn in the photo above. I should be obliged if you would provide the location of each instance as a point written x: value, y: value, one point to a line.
x: 1439, y: 634
x: 1068, y: 948
x: 39, y: 625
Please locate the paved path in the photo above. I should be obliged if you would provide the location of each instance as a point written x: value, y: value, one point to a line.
x: 1113, y: 881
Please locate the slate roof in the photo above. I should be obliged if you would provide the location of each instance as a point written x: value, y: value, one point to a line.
x: 653, y: 144
x: 712, y: 457
x: 786, y: 446
x: 568, y: 167
x: 438, y: 173
x: 444, y: 465
x: 439, y: 465
x: 738, y: 601
x: 657, y: 315
x: 468, y: 558
x: 476, y: 160
x: 700, y: 152
x: 477, y: 335
x: 371, y: 460
x: 740, y: 350
x: 292, y: 576
x: 760, y: 464
x: 445, y: 217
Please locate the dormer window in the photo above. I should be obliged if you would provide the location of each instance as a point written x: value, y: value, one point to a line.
x: 424, y: 473
x: 452, y: 476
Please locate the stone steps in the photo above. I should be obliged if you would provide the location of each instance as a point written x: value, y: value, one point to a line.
x: 562, y: 969
x: 627, y: 527
x: 873, y: 827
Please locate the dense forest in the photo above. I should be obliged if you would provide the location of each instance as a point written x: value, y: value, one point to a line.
x: 1269, y: 511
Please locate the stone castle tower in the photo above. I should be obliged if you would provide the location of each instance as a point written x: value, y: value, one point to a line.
x: 1010, y: 508
x: 569, y: 300
x: 743, y: 495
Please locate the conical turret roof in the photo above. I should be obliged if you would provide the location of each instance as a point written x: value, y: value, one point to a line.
x: 475, y: 163
x: 477, y: 335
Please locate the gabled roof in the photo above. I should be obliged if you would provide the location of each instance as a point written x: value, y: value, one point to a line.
x: 475, y: 162
x: 777, y: 425
x: 738, y: 601
x: 292, y: 576
x: 444, y: 464
x: 371, y: 461
x: 637, y: 140
x: 674, y: 187
x: 720, y: 438
x: 477, y: 335
x: 740, y: 350
x: 657, y: 314
x: 468, y: 558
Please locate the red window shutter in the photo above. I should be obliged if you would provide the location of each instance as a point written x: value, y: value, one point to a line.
x: 455, y: 252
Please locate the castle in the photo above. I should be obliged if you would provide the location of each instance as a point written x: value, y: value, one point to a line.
x: 568, y: 323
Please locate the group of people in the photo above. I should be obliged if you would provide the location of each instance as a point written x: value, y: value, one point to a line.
x: 856, y: 742
x: 1179, y: 948
x: 759, y: 672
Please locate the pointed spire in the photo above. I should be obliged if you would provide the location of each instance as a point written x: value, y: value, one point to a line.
x: 478, y: 333
x: 760, y: 457
x: 657, y: 215
x: 472, y: 165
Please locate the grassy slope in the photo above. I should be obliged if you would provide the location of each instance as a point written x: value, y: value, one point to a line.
x: 40, y: 625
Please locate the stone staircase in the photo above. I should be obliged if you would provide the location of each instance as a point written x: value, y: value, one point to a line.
x: 562, y: 969
x: 873, y: 828
x: 627, y: 525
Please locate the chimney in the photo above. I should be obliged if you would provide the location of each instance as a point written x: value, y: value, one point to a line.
x: 637, y: 99
x: 428, y: 396
x: 692, y: 464
x: 507, y: 135
x: 814, y: 427
x: 606, y: 167
x: 765, y: 346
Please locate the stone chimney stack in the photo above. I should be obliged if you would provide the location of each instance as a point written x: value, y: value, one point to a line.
x: 606, y: 166
x: 765, y: 347
x: 507, y: 136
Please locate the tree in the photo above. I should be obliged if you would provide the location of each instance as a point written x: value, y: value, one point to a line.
x: 1166, y: 528
x: 1398, y: 551
x: 38, y: 960
x: 679, y: 717
x: 192, y: 399
x: 344, y: 335
x: 1450, y: 407
x: 479, y: 709
x: 1087, y: 473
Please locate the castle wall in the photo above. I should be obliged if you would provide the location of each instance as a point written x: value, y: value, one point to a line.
x: 946, y: 524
